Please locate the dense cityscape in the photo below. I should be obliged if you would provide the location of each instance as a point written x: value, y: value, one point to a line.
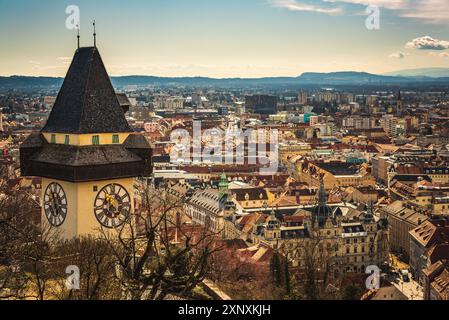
x: 328, y: 185
x: 362, y: 178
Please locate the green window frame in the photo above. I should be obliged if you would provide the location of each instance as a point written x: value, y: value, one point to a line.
x: 67, y: 139
x: 96, y: 140
x: 115, y: 139
x: 53, y: 138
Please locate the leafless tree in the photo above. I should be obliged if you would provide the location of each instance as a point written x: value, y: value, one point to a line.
x: 33, y: 259
x: 156, y: 254
x: 96, y: 263
x: 13, y: 280
x: 25, y: 247
x: 243, y: 278
x: 153, y: 255
x: 38, y: 256
x: 318, y: 266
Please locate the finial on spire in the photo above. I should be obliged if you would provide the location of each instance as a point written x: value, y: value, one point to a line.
x: 95, y: 35
x: 78, y: 35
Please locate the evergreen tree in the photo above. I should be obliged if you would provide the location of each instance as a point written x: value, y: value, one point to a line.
x: 276, y: 270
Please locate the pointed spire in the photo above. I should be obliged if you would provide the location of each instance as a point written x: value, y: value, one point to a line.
x: 95, y: 35
x: 322, y: 197
x: 223, y: 175
x: 223, y: 184
x: 399, y: 96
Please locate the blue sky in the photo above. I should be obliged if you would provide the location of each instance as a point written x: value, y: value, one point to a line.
x: 226, y: 38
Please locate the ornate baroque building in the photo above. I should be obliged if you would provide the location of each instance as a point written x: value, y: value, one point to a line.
x: 351, y: 239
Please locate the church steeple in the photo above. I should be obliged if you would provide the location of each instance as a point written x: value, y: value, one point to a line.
x: 322, y: 196
x: 322, y: 211
x: 223, y: 184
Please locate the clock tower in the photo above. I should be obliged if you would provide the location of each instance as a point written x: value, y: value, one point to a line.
x: 87, y: 154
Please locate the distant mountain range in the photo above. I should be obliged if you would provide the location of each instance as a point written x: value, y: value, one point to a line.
x: 309, y: 78
x: 423, y: 72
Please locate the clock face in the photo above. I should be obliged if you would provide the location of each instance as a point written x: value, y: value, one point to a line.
x: 55, y: 204
x: 112, y: 206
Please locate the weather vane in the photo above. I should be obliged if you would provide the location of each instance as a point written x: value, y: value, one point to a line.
x: 78, y: 36
x: 95, y: 35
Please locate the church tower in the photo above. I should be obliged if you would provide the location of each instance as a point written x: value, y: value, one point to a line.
x: 223, y: 185
x: 87, y: 154
x: 322, y: 211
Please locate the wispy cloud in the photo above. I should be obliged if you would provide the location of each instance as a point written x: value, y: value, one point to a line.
x: 293, y: 5
x: 64, y: 60
x: 439, y: 54
x: 431, y: 11
x: 398, y: 55
x: 388, y: 4
x: 427, y: 43
x: 435, y: 11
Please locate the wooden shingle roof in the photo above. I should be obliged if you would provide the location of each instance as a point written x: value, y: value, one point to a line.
x: 87, y: 102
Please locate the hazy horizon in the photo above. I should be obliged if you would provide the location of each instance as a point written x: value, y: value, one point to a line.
x: 393, y: 73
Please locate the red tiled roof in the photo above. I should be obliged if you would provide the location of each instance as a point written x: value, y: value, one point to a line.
x: 439, y: 252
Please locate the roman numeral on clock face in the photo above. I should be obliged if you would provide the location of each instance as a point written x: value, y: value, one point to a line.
x: 112, y: 206
x: 55, y: 204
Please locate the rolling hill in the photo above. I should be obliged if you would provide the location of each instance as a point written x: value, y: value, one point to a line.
x: 309, y: 78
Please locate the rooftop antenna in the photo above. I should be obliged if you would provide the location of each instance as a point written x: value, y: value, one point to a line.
x: 95, y: 35
x: 78, y: 36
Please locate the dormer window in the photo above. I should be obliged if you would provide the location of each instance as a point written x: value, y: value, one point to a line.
x: 53, y: 138
x: 96, y: 140
x: 67, y: 139
x: 115, y: 139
